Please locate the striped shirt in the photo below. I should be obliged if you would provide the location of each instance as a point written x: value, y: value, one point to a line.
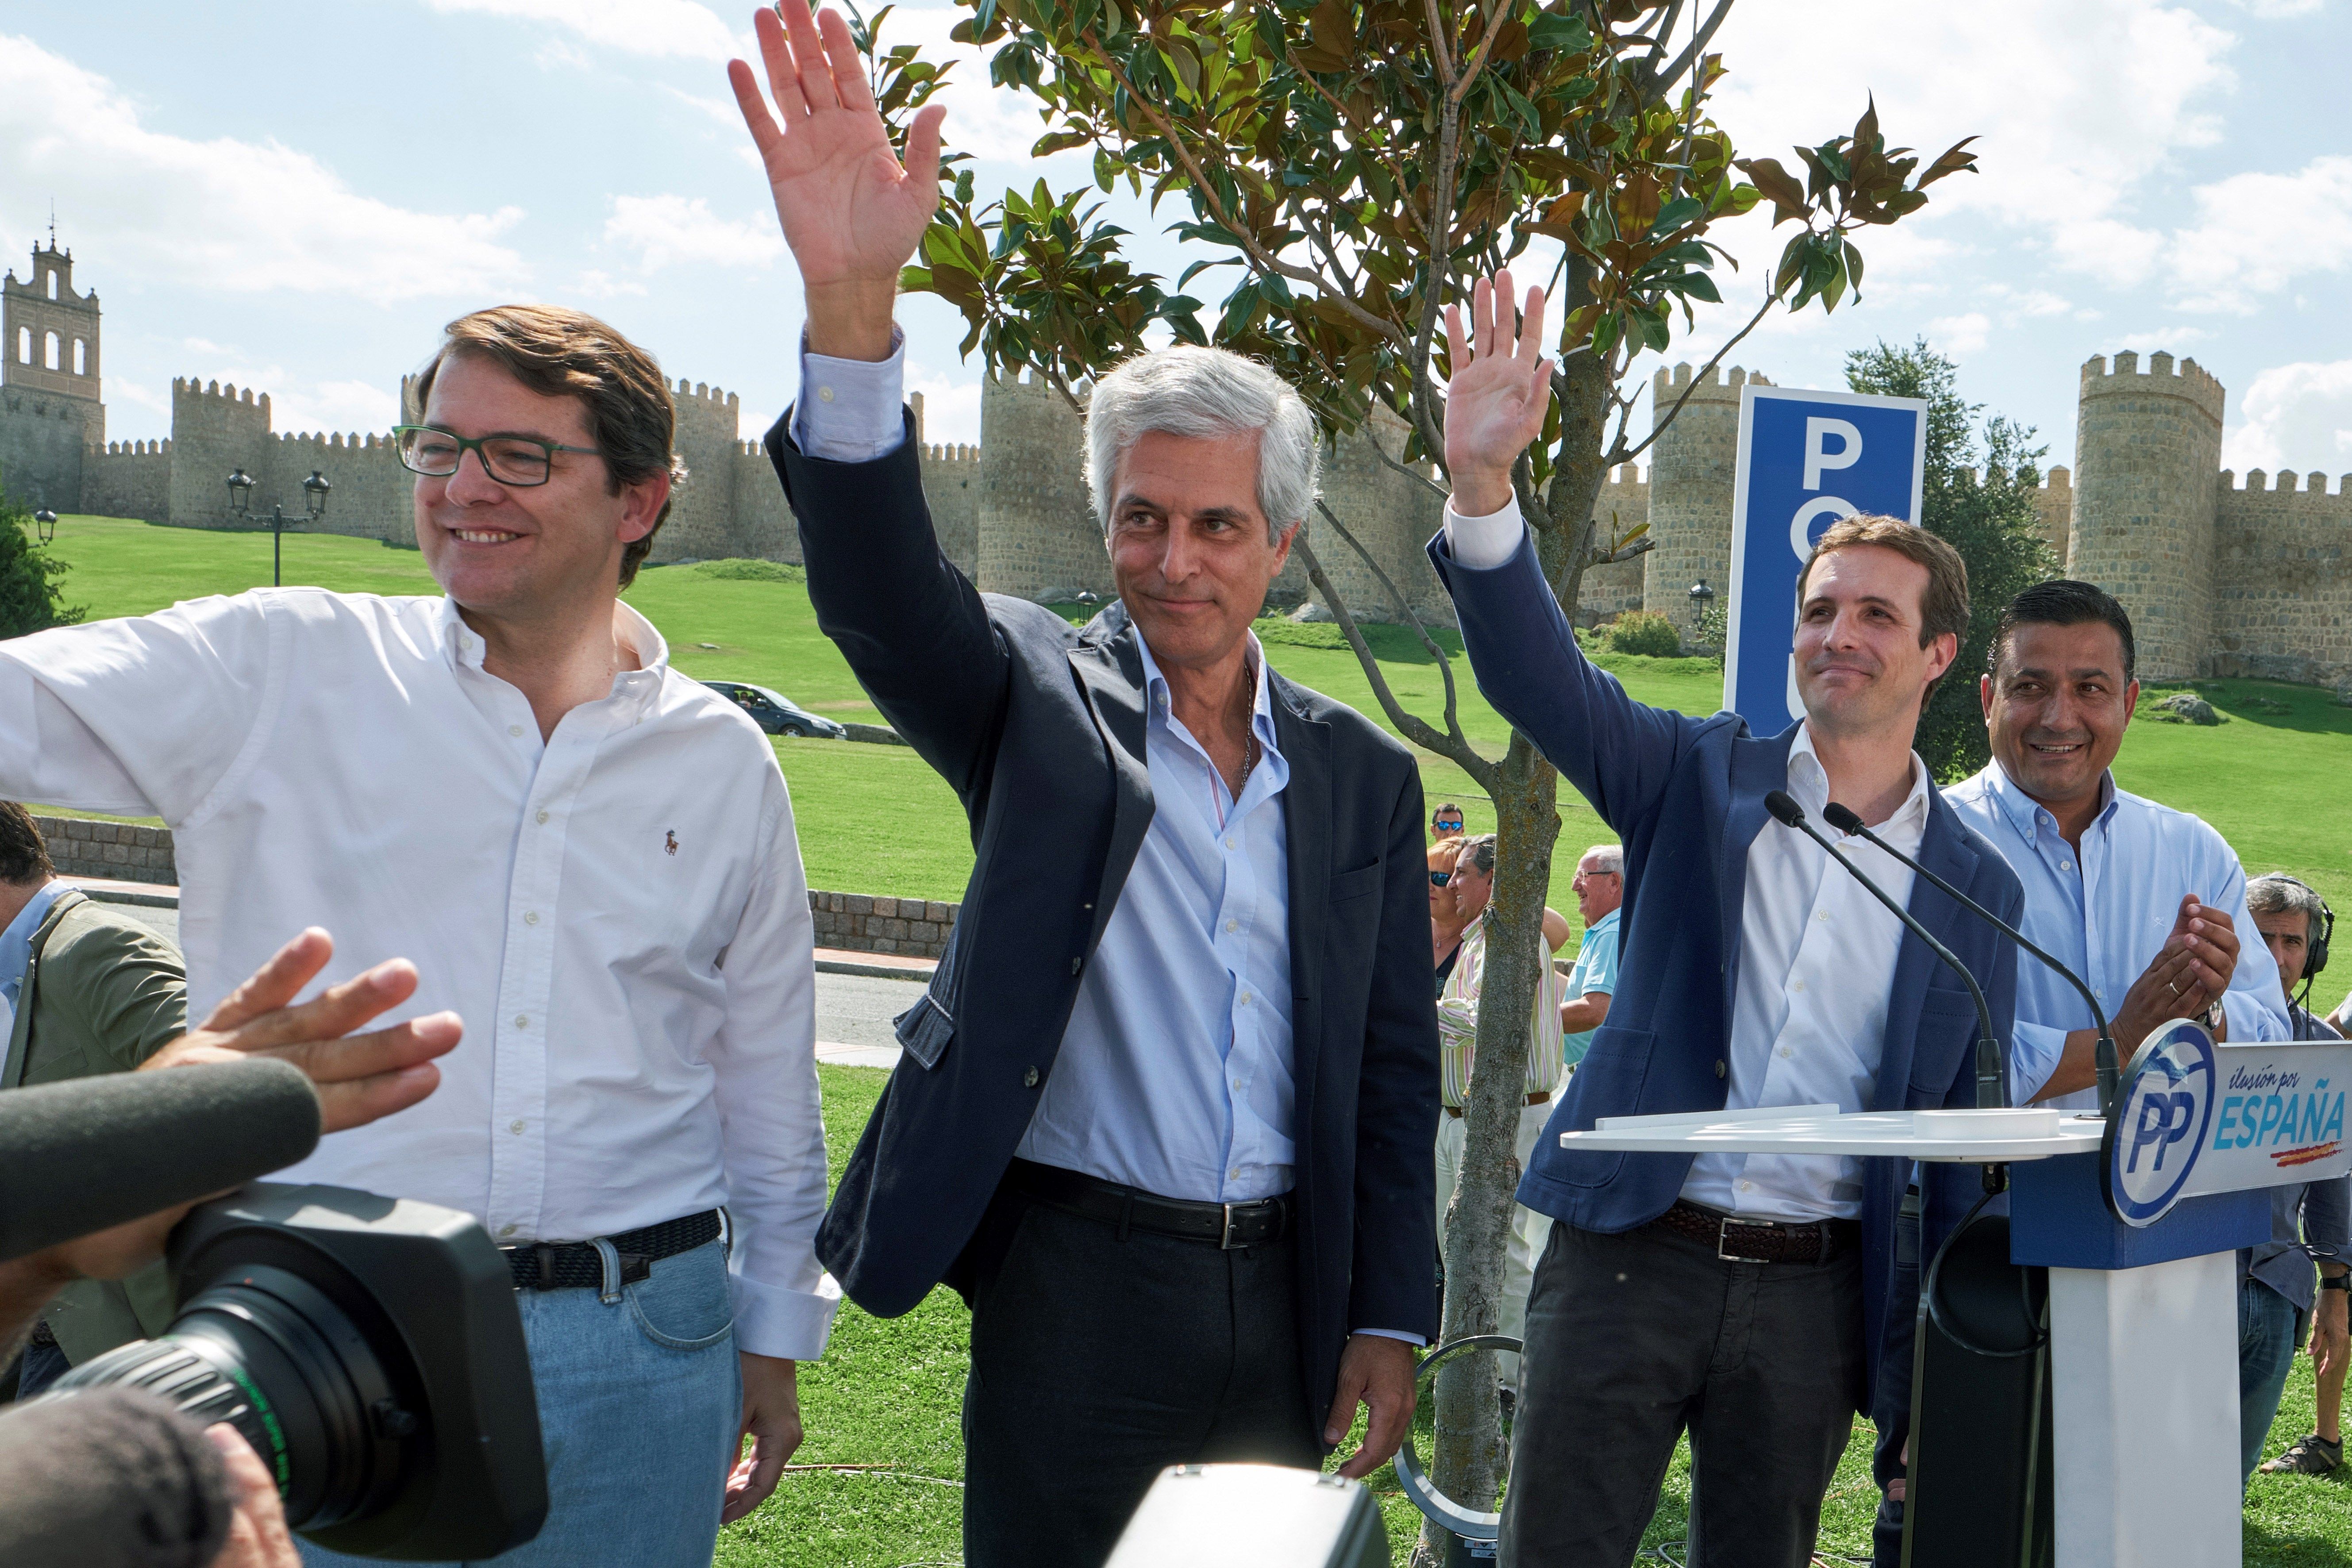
x: 1457, y: 1021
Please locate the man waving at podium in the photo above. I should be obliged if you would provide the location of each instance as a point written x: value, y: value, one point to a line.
x: 1751, y: 1300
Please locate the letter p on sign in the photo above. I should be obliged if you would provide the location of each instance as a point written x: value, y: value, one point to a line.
x: 1817, y: 458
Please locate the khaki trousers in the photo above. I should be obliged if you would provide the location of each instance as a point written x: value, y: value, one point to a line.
x: 1530, y: 1231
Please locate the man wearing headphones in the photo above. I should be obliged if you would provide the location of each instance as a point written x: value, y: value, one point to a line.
x: 2307, y: 1221
x: 2145, y: 902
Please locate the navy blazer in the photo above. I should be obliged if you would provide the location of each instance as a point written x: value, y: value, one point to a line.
x: 1686, y: 796
x: 1038, y: 725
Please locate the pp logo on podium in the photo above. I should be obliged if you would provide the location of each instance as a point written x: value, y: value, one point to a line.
x: 2162, y: 1115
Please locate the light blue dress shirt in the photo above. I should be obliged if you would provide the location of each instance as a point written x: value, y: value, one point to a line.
x: 1595, y: 970
x: 2106, y: 913
x: 1176, y: 1072
x: 17, y: 952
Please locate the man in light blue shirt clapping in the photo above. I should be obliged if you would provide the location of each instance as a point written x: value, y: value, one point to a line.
x: 1599, y: 887
x: 2145, y: 902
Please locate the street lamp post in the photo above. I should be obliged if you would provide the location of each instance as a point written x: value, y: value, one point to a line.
x: 44, y: 523
x: 314, y: 507
x: 1701, y: 596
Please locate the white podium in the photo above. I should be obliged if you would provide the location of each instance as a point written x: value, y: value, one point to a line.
x: 2138, y: 1232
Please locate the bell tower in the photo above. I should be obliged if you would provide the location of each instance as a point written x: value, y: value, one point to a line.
x: 48, y: 337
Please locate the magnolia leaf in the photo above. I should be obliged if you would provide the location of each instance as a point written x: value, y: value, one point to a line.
x: 1789, y: 199
x: 1955, y: 161
x: 1676, y: 213
x: 1569, y: 33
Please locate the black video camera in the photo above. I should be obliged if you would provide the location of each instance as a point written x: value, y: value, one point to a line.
x: 368, y: 1348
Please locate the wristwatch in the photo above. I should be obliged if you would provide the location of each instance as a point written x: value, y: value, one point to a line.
x: 2336, y: 1282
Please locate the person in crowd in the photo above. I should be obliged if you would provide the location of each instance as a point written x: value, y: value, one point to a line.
x: 84, y: 989
x: 2308, y: 1221
x: 1445, y: 915
x: 1164, y: 1110
x: 1445, y: 823
x: 587, y: 854
x: 1749, y: 1299
x: 1457, y: 1029
x: 2145, y: 902
x: 1599, y: 887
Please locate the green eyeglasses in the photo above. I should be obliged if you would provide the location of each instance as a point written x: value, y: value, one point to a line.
x: 516, y: 460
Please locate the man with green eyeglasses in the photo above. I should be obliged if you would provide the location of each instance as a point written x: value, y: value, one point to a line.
x: 591, y: 860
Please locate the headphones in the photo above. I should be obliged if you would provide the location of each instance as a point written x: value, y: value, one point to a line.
x: 2315, y: 953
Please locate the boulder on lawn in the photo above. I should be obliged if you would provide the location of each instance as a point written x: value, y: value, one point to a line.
x: 2190, y: 709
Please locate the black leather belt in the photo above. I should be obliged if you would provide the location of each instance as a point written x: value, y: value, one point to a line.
x: 575, y: 1265
x: 1230, y: 1226
x: 1737, y: 1240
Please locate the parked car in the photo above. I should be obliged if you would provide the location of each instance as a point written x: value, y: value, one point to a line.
x: 774, y: 712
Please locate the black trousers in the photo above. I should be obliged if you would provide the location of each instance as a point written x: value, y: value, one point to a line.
x: 1632, y: 1340
x: 1097, y: 1362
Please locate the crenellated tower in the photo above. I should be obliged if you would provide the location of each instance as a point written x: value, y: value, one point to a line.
x: 2147, y: 457
x: 1692, y: 471
x: 50, y: 407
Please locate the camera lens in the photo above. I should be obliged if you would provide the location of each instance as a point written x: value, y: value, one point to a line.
x: 268, y: 1352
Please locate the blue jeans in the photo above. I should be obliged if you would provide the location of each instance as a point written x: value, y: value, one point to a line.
x: 640, y: 1401
x: 2268, y: 1328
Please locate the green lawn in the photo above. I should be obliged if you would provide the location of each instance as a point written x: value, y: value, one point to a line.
x: 874, y: 819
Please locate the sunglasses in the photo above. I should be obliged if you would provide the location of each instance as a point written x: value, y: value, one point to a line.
x: 1446, y: 827
x: 1440, y: 878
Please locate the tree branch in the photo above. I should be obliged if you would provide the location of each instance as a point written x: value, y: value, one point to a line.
x: 1257, y: 253
x: 1415, y: 730
x: 1702, y: 375
x: 1364, y: 136
x: 1440, y: 274
x: 1372, y: 439
x: 1437, y: 49
x: 1479, y: 59
x: 1444, y: 664
x: 1665, y: 79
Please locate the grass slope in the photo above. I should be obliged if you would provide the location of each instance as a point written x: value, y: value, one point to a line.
x: 874, y: 819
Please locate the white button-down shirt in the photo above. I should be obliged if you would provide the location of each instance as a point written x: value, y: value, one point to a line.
x: 1175, y: 1074
x: 618, y: 915
x: 1817, y: 956
x: 2105, y: 913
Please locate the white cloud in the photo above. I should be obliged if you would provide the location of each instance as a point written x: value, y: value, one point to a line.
x: 1959, y: 336
x: 664, y: 29
x: 332, y: 406
x: 2257, y: 233
x: 2165, y: 339
x: 668, y: 229
x: 171, y: 209
x: 2274, y: 10
x: 950, y: 408
x: 2297, y: 415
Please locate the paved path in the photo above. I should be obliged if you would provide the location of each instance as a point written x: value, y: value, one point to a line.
x: 853, y: 1009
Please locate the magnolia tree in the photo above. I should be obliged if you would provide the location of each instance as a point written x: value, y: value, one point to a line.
x: 1357, y: 168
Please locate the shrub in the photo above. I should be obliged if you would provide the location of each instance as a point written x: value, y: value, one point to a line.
x: 1644, y: 632
x: 30, y: 600
x: 742, y: 570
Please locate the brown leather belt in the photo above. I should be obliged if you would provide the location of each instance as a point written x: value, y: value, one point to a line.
x: 1540, y: 1097
x: 1737, y: 1240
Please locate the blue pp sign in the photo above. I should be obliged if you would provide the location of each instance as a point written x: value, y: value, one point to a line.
x: 1806, y: 459
x: 2163, y: 1111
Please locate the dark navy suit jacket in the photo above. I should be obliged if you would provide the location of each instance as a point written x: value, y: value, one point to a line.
x: 1686, y: 796
x: 1039, y: 726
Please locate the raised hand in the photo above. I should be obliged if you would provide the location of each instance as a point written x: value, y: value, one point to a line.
x: 1501, y: 387
x: 360, y: 1077
x: 851, y: 214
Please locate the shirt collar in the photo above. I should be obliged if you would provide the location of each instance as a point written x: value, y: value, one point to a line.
x: 17, y: 941
x: 1811, y: 783
x: 1155, y: 691
x: 465, y: 648
x: 1605, y: 921
x: 2026, y: 814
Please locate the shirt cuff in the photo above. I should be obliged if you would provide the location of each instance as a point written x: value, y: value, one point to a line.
x: 792, y: 1325
x: 1394, y: 1333
x: 848, y: 409
x: 1484, y: 543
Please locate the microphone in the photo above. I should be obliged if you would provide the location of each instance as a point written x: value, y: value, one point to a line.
x: 114, y: 1477
x: 92, y: 1153
x: 1992, y: 1076
x: 1846, y: 821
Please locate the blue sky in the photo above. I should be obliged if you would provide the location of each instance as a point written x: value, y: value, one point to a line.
x: 295, y: 196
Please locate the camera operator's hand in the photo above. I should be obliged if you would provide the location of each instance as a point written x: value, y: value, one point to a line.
x: 258, y: 1536
x: 26, y: 1283
x: 360, y: 1077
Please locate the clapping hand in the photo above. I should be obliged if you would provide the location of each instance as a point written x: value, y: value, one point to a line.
x: 1499, y: 393
x: 2187, y: 975
x: 851, y: 214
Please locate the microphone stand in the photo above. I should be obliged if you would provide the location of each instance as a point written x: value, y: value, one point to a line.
x: 1846, y: 821
x: 1992, y: 1063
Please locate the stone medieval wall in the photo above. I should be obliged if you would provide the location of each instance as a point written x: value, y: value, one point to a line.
x: 1036, y: 534
x: 41, y: 449
x: 216, y: 430
x: 128, y: 479
x: 1622, y: 505
x: 1692, y: 469
x: 2148, y: 450
x: 2282, y: 579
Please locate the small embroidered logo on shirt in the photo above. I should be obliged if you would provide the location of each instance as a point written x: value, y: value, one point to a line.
x: 671, y: 843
